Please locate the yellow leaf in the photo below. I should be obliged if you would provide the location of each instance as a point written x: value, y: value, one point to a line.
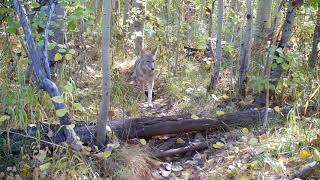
x: 104, y: 154
x: 304, y: 154
x: 193, y: 116
x: 218, y: 145
x: 219, y: 113
x: 253, y: 141
x: 180, y: 141
x: 316, y: 155
x: 143, y: 142
x: 68, y: 57
x: 25, y: 170
x: 4, y: 118
x: 57, y: 57
x: 245, y: 131
x: 45, y: 166
x: 70, y: 126
x: 277, y: 109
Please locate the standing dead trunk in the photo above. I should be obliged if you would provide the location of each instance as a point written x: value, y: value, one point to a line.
x: 210, y: 24
x: 176, y: 58
x: 138, y: 24
x: 316, y: 39
x: 230, y: 40
x: 105, y: 100
x: 245, y: 52
x: 166, y: 12
x: 125, y: 15
x: 276, y: 72
x: 217, y: 64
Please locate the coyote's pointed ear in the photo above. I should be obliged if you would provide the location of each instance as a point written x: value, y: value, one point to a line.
x: 155, y: 53
x: 142, y: 52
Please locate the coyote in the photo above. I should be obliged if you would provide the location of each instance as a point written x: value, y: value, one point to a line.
x: 144, y: 71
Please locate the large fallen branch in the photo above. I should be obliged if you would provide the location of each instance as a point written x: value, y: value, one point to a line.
x: 145, y: 127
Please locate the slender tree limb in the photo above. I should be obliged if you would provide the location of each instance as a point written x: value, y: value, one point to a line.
x: 46, y: 32
x: 44, y: 82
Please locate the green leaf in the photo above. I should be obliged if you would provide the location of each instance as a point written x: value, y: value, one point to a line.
x: 68, y: 88
x: 61, y: 112
x: 57, y: 57
x: 274, y: 66
x: 285, y: 66
x: 279, y: 60
x: 72, y: 51
x: 61, y: 50
x: 78, y: 106
x: 70, y: 126
x: 68, y: 57
x: 34, y: 4
x: 51, y: 46
x: 72, y: 25
x: 58, y: 99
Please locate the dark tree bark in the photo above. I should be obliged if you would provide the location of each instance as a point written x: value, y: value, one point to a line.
x: 216, y: 66
x: 276, y: 73
x: 43, y: 80
x: 314, y: 59
x: 245, y: 52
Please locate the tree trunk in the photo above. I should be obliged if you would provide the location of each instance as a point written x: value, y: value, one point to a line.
x: 44, y: 82
x: 125, y: 15
x: 245, y: 52
x: 210, y: 24
x: 138, y: 25
x: 276, y: 73
x: 105, y: 100
x: 166, y: 12
x: 176, y: 58
x: 262, y: 26
x: 313, y: 59
x: 262, y: 23
x: 217, y: 64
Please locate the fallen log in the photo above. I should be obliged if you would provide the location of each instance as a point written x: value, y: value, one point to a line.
x: 192, y: 146
x: 141, y: 127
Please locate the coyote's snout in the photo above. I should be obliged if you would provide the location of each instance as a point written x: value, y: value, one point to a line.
x: 144, y: 71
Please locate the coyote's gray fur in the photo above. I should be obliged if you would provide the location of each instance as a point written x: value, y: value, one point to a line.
x: 144, y: 71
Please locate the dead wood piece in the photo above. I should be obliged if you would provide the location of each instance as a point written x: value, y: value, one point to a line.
x: 193, y: 146
x: 306, y: 171
x: 145, y: 127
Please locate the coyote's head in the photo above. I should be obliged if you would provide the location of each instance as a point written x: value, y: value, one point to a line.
x: 147, y: 60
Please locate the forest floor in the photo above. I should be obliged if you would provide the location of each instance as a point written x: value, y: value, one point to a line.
x: 289, y: 143
x: 243, y: 153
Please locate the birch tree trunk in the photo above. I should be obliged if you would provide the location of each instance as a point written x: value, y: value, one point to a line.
x: 176, y: 58
x: 44, y: 82
x: 210, y: 24
x: 261, y: 28
x: 125, y: 14
x: 245, y: 52
x: 106, y: 90
x: 138, y: 24
x: 314, y: 59
x: 276, y: 72
x: 262, y: 23
x: 217, y: 64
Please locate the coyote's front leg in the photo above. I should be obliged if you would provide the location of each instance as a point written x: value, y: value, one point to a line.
x: 150, y: 88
